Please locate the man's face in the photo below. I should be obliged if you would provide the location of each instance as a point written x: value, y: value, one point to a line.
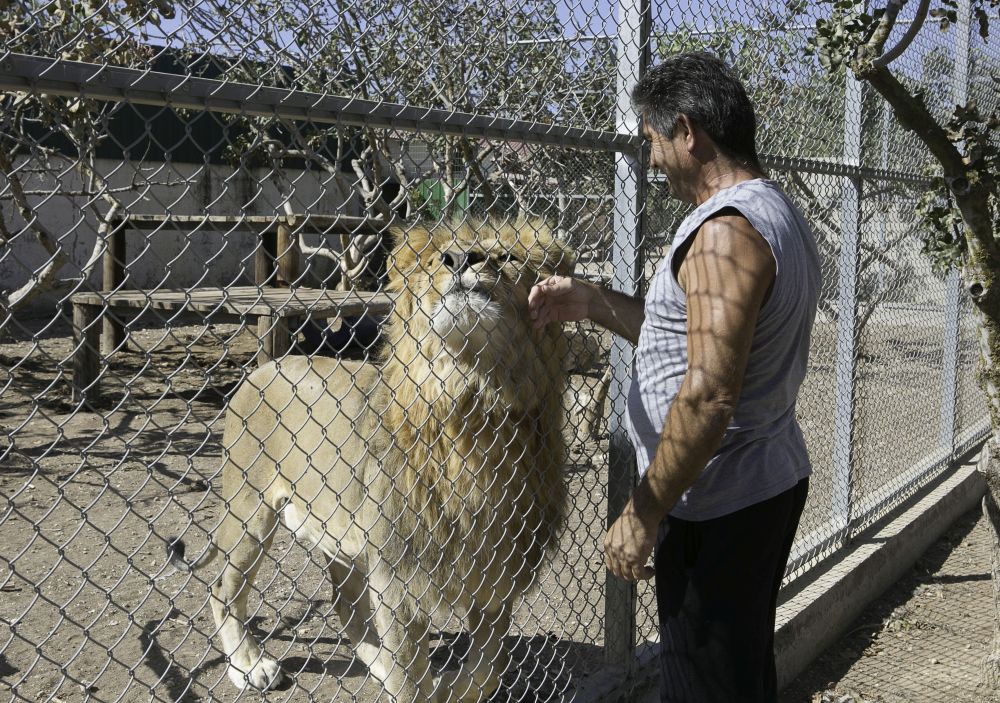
x: 664, y: 154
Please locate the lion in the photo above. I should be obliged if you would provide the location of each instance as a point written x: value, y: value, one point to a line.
x: 430, y: 481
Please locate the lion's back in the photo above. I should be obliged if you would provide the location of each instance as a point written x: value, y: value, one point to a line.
x: 308, y: 414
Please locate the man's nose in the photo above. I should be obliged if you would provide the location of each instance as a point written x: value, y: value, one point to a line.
x: 457, y: 260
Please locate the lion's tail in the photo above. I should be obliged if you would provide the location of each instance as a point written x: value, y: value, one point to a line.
x: 175, y: 556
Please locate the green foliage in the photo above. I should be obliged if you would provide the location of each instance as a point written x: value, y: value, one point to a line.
x: 978, y: 134
x: 472, y: 56
x: 74, y: 31
x: 946, y: 15
x: 45, y: 126
x: 838, y: 43
x: 944, y: 241
x: 798, y: 106
x: 981, y: 13
x: 837, y: 38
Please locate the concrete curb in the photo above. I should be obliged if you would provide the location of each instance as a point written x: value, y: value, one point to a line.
x: 817, y: 615
x: 821, y: 609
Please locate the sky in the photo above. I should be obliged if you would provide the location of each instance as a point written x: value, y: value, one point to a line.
x: 596, y: 18
x: 579, y: 19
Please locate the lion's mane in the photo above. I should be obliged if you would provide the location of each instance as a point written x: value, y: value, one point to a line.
x: 478, y: 430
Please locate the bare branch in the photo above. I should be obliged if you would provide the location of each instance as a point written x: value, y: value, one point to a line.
x: 104, y: 232
x: 476, y: 165
x: 911, y: 32
x: 41, y: 279
x: 324, y: 251
x: 49, y: 241
x: 872, y: 49
x: 5, y: 234
x: 913, y: 114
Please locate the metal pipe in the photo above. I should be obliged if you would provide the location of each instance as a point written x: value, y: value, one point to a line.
x: 24, y: 73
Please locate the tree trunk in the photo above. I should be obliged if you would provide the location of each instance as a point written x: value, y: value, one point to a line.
x: 989, y: 466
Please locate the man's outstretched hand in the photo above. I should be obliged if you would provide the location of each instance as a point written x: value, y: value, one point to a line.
x: 559, y: 299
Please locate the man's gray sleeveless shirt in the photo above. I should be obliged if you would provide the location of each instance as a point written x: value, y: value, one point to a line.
x: 763, y: 452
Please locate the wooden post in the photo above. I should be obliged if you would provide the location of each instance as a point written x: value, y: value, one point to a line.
x: 265, y: 346
x: 264, y: 276
x: 288, y: 275
x: 112, y: 276
x: 275, y: 340
x: 264, y: 259
x: 86, y: 353
x: 288, y: 253
x: 281, y: 339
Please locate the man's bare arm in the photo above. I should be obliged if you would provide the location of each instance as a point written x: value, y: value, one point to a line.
x: 617, y: 312
x: 565, y: 299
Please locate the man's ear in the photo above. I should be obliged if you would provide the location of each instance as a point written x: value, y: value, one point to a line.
x: 685, y: 127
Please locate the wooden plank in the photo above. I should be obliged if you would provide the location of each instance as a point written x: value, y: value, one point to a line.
x: 333, y: 224
x: 245, y: 300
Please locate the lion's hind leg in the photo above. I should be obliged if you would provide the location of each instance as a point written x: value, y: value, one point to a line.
x: 243, y: 543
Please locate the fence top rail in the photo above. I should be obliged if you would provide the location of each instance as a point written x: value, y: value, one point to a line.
x: 828, y: 168
x: 38, y: 74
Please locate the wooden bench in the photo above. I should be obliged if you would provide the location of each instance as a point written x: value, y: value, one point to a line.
x: 269, y: 308
x: 276, y: 256
x: 271, y: 303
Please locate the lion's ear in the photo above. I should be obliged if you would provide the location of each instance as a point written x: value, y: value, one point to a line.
x: 567, y: 258
x: 405, y: 254
x: 559, y: 258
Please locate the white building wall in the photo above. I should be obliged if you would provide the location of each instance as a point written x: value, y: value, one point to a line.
x: 169, y: 257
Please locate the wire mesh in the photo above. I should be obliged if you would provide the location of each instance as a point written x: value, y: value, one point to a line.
x: 163, y: 240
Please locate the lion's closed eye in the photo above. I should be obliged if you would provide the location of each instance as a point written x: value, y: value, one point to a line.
x: 511, y: 264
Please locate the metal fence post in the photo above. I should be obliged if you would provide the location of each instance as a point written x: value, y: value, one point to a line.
x: 953, y: 283
x: 847, y: 313
x: 633, y: 51
x: 949, y: 377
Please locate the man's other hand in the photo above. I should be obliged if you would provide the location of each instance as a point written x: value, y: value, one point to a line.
x: 628, y: 546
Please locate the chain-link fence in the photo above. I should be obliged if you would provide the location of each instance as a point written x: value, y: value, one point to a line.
x: 228, y: 235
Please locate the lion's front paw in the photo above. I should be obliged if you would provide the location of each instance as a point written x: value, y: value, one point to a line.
x: 265, y: 674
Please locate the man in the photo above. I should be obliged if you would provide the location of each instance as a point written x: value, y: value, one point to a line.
x: 722, y: 340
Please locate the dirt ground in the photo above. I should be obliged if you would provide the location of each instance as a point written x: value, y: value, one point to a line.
x: 90, y: 495
x: 923, y: 640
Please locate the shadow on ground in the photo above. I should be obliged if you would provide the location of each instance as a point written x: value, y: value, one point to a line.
x: 923, y: 640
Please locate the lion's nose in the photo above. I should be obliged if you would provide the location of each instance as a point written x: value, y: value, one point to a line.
x: 457, y: 260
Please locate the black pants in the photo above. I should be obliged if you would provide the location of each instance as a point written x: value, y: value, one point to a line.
x: 716, y: 590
